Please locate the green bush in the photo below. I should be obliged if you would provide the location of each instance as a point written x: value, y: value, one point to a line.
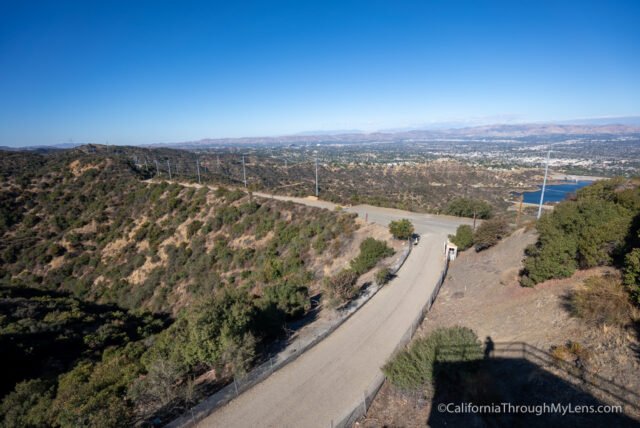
x: 463, y: 237
x: 465, y: 207
x: 632, y: 272
x: 594, y: 229
x: 413, y: 368
x: 383, y: 276
x: 556, y: 259
x: 193, y: 228
x: 371, y: 252
x: 401, y: 229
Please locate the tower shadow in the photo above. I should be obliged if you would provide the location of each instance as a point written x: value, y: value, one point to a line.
x: 516, y: 391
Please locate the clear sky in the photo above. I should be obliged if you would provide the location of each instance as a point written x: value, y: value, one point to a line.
x: 135, y: 72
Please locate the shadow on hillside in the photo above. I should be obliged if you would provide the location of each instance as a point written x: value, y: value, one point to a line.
x: 520, y: 382
x: 287, y: 335
x: 48, y: 331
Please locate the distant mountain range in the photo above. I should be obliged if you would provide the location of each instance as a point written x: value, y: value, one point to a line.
x: 485, y: 131
x: 44, y: 148
x: 597, y: 126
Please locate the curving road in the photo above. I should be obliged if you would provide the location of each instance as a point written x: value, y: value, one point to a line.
x: 325, y: 383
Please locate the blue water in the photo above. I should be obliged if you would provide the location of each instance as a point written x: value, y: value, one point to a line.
x: 555, y: 192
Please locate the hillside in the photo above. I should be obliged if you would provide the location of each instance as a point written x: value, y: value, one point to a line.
x: 556, y: 311
x: 119, y: 290
x: 414, y: 185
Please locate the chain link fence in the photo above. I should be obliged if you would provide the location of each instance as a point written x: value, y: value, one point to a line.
x: 264, y: 370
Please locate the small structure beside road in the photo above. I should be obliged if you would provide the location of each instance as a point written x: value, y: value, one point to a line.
x: 450, y: 250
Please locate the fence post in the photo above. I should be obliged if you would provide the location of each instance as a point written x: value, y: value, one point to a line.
x: 364, y: 403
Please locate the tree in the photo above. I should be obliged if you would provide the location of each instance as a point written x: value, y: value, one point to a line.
x: 287, y: 297
x: 597, y: 228
x: 341, y: 286
x: 401, y: 229
x: 463, y: 237
x: 218, y: 325
x: 465, y: 207
x: 159, y: 386
x: 489, y: 233
x: 96, y: 394
x: 28, y: 405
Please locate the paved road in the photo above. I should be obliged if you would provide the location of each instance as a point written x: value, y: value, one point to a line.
x: 422, y: 222
x: 324, y: 384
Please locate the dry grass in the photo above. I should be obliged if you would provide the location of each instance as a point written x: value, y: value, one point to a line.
x: 570, y: 352
x: 603, y: 300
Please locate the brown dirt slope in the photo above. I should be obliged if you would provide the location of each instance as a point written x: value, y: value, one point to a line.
x: 482, y: 292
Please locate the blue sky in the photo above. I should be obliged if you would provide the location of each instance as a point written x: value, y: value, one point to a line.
x: 136, y: 72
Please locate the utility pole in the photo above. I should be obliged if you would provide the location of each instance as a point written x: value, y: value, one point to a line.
x: 157, y: 168
x: 169, y: 168
x: 198, y: 168
x: 316, y: 175
x: 519, y: 210
x: 544, y: 184
x: 474, y: 218
x: 244, y: 173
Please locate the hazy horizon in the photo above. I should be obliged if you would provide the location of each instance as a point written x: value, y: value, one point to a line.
x: 630, y: 121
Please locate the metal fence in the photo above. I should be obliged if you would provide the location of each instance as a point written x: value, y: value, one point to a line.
x: 361, y: 408
x: 264, y: 370
x: 605, y: 389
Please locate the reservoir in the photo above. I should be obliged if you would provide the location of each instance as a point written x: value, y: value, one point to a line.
x: 555, y: 192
